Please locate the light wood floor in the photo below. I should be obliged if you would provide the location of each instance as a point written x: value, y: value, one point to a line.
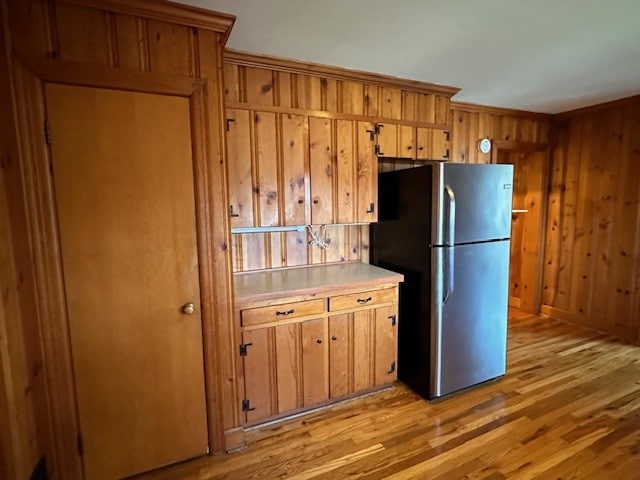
x: 568, y: 408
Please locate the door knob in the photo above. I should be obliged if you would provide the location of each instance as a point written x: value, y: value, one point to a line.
x: 188, y: 308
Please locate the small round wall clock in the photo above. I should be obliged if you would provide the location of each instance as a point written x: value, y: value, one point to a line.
x: 484, y: 145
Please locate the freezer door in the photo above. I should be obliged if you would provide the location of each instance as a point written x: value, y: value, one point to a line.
x: 473, y: 203
x: 469, y: 312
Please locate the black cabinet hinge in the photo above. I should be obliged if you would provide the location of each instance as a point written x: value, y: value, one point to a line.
x: 393, y: 320
x: 378, y: 127
x: 231, y: 213
x: 229, y: 122
x: 392, y: 368
x: 243, y: 349
x: 446, y: 154
x: 447, y: 136
x: 372, y: 208
x: 246, y: 406
x: 47, y: 132
x: 377, y: 151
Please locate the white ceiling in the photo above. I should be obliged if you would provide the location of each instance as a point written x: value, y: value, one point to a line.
x: 543, y: 56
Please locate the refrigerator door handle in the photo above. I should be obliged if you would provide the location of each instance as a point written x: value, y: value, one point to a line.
x: 448, y: 273
x: 451, y: 216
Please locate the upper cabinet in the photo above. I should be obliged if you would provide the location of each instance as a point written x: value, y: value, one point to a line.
x: 415, y: 143
x: 287, y: 169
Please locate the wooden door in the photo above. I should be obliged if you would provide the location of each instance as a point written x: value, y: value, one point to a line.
x: 321, y: 162
x: 123, y: 179
x: 387, y: 139
x: 407, y: 142
x: 315, y: 361
x: 440, y: 145
x: 363, y: 360
x: 366, y: 176
x: 257, y: 368
x: 240, y: 153
x: 424, y: 138
x: 339, y: 355
x: 526, y: 249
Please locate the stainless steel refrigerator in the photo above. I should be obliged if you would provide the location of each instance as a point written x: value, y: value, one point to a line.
x: 447, y: 228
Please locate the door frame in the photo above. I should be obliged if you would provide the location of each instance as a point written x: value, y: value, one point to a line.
x: 29, y: 76
x: 510, y: 146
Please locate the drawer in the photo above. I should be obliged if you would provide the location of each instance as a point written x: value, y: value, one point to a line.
x: 362, y: 299
x: 286, y: 311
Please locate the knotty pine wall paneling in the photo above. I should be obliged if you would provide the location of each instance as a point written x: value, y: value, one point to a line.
x: 471, y: 123
x: 326, y: 179
x: 23, y: 429
x: 592, y: 251
x: 139, y: 44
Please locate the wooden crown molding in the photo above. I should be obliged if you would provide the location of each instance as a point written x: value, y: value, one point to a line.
x: 475, y: 108
x: 165, y: 11
x: 599, y: 107
x: 307, y: 68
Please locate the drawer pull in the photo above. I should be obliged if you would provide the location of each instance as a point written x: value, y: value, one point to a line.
x: 288, y: 312
x: 364, y: 300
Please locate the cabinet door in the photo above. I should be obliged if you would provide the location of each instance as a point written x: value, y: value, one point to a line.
x: 363, y: 341
x: 440, y: 145
x: 339, y: 353
x: 345, y: 171
x: 321, y: 170
x: 387, y: 139
x: 239, y: 154
x: 258, y: 383
x: 407, y: 142
x: 315, y: 361
x: 423, y: 143
x: 266, y: 168
x: 386, y: 342
x: 288, y: 380
x: 293, y: 164
x: 366, y: 176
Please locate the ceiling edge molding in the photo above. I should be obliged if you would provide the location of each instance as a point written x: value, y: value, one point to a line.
x: 294, y: 66
x: 165, y: 11
x: 475, y: 108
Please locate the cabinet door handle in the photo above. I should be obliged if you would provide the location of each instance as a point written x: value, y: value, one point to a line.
x: 288, y: 312
x: 318, y: 341
x: 364, y: 300
x: 334, y: 338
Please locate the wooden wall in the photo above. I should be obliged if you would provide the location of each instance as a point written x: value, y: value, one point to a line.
x: 592, y: 251
x: 157, y: 43
x: 473, y: 122
x: 23, y: 419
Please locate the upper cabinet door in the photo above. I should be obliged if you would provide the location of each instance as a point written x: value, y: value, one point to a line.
x: 387, y: 139
x: 366, y: 175
x: 345, y: 171
x: 239, y: 153
x: 321, y: 160
x: 294, y: 153
x: 441, y: 146
x: 266, y: 168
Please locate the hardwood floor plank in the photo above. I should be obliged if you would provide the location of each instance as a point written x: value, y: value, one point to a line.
x: 568, y: 408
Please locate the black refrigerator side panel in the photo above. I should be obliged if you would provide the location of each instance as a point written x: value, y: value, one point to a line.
x: 400, y: 242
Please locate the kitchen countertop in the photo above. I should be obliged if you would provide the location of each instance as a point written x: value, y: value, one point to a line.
x: 308, y: 280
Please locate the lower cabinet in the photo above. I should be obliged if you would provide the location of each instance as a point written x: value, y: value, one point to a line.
x: 294, y: 364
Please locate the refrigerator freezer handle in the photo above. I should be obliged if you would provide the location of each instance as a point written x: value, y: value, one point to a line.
x: 448, y: 272
x: 451, y: 216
